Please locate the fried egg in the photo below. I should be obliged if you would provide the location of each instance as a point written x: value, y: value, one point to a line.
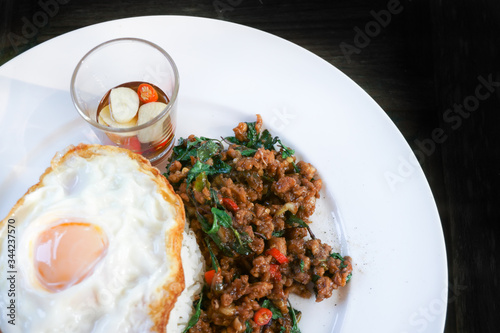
x: 98, y: 244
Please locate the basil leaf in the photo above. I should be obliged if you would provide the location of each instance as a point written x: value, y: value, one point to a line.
x: 295, y: 327
x: 252, y: 135
x: 197, y: 168
x: 278, y: 233
x: 196, y: 316
x: 182, y: 153
x: 248, y: 152
x: 242, y: 246
x: 219, y: 166
x: 215, y: 198
x: 302, y: 264
x: 287, y: 152
x: 336, y: 255
x: 232, y: 139
x: 293, y: 219
x: 179, y: 149
x: 215, y: 264
x: 211, y: 231
x: 203, y: 221
x: 248, y: 327
x: 207, y: 150
x: 201, y: 182
x: 348, y: 278
x: 215, y: 225
x: 222, y: 217
x: 275, y: 311
x: 267, y: 141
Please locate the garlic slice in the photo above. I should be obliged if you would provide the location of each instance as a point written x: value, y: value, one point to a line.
x: 106, y: 120
x: 146, y: 113
x: 124, y: 103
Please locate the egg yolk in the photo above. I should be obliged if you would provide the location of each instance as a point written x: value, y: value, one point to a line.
x: 67, y: 253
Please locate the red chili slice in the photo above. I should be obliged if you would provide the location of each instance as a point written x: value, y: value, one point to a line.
x: 230, y: 204
x: 274, y: 271
x: 280, y: 257
x: 262, y: 317
x: 209, y: 276
x: 133, y: 144
x: 147, y: 93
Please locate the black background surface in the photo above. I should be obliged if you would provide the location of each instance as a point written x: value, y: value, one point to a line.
x: 426, y: 66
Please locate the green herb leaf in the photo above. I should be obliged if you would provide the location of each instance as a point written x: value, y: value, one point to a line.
x: 252, y: 135
x: 286, y: 151
x: 348, y: 278
x: 275, y: 311
x: 196, y: 316
x: 215, y: 198
x: 278, y: 233
x: 232, y: 139
x: 182, y: 153
x: 295, y: 327
x: 203, y: 221
x: 336, y: 255
x: 302, y: 265
x: 294, y: 220
x: 178, y: 149
x: 242, y: 246
x: 201, y: 182
x: 219, y: 166
x: 207, y: 150
x: 247, y: 151
x: 248, y: 327
x: 197, y: 168
x: 315, y: 278
x: 215, y: 263
x: 222, y: 217
x: 211, y: 231
x: 267, y: 140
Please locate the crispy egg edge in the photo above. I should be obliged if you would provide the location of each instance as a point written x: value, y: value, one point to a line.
x: 159, y: 309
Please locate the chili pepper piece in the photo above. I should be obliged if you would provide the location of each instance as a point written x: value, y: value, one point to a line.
x: 262, y: 316
x: 276, y: 254
x: 230, y: 204
x: 147, y: 93
x: 209, y: 276
x: 133, y: 144
x: 274, y: 271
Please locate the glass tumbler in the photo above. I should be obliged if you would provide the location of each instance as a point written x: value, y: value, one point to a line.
x: 121, y: 61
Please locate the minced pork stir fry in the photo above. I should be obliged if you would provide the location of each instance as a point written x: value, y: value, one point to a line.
x: 249, y: 206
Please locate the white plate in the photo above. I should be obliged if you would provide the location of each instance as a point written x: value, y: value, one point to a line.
x: 376, y: 199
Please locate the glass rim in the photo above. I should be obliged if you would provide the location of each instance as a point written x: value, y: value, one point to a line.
x: 170, y: 104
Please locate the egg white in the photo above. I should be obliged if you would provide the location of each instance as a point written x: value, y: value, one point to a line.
x: 114, y: 194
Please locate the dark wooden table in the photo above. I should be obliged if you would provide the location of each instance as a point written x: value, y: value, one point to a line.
x: 433, y: 66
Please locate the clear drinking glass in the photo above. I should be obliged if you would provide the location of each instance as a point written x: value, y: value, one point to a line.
x: 120, y: 61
